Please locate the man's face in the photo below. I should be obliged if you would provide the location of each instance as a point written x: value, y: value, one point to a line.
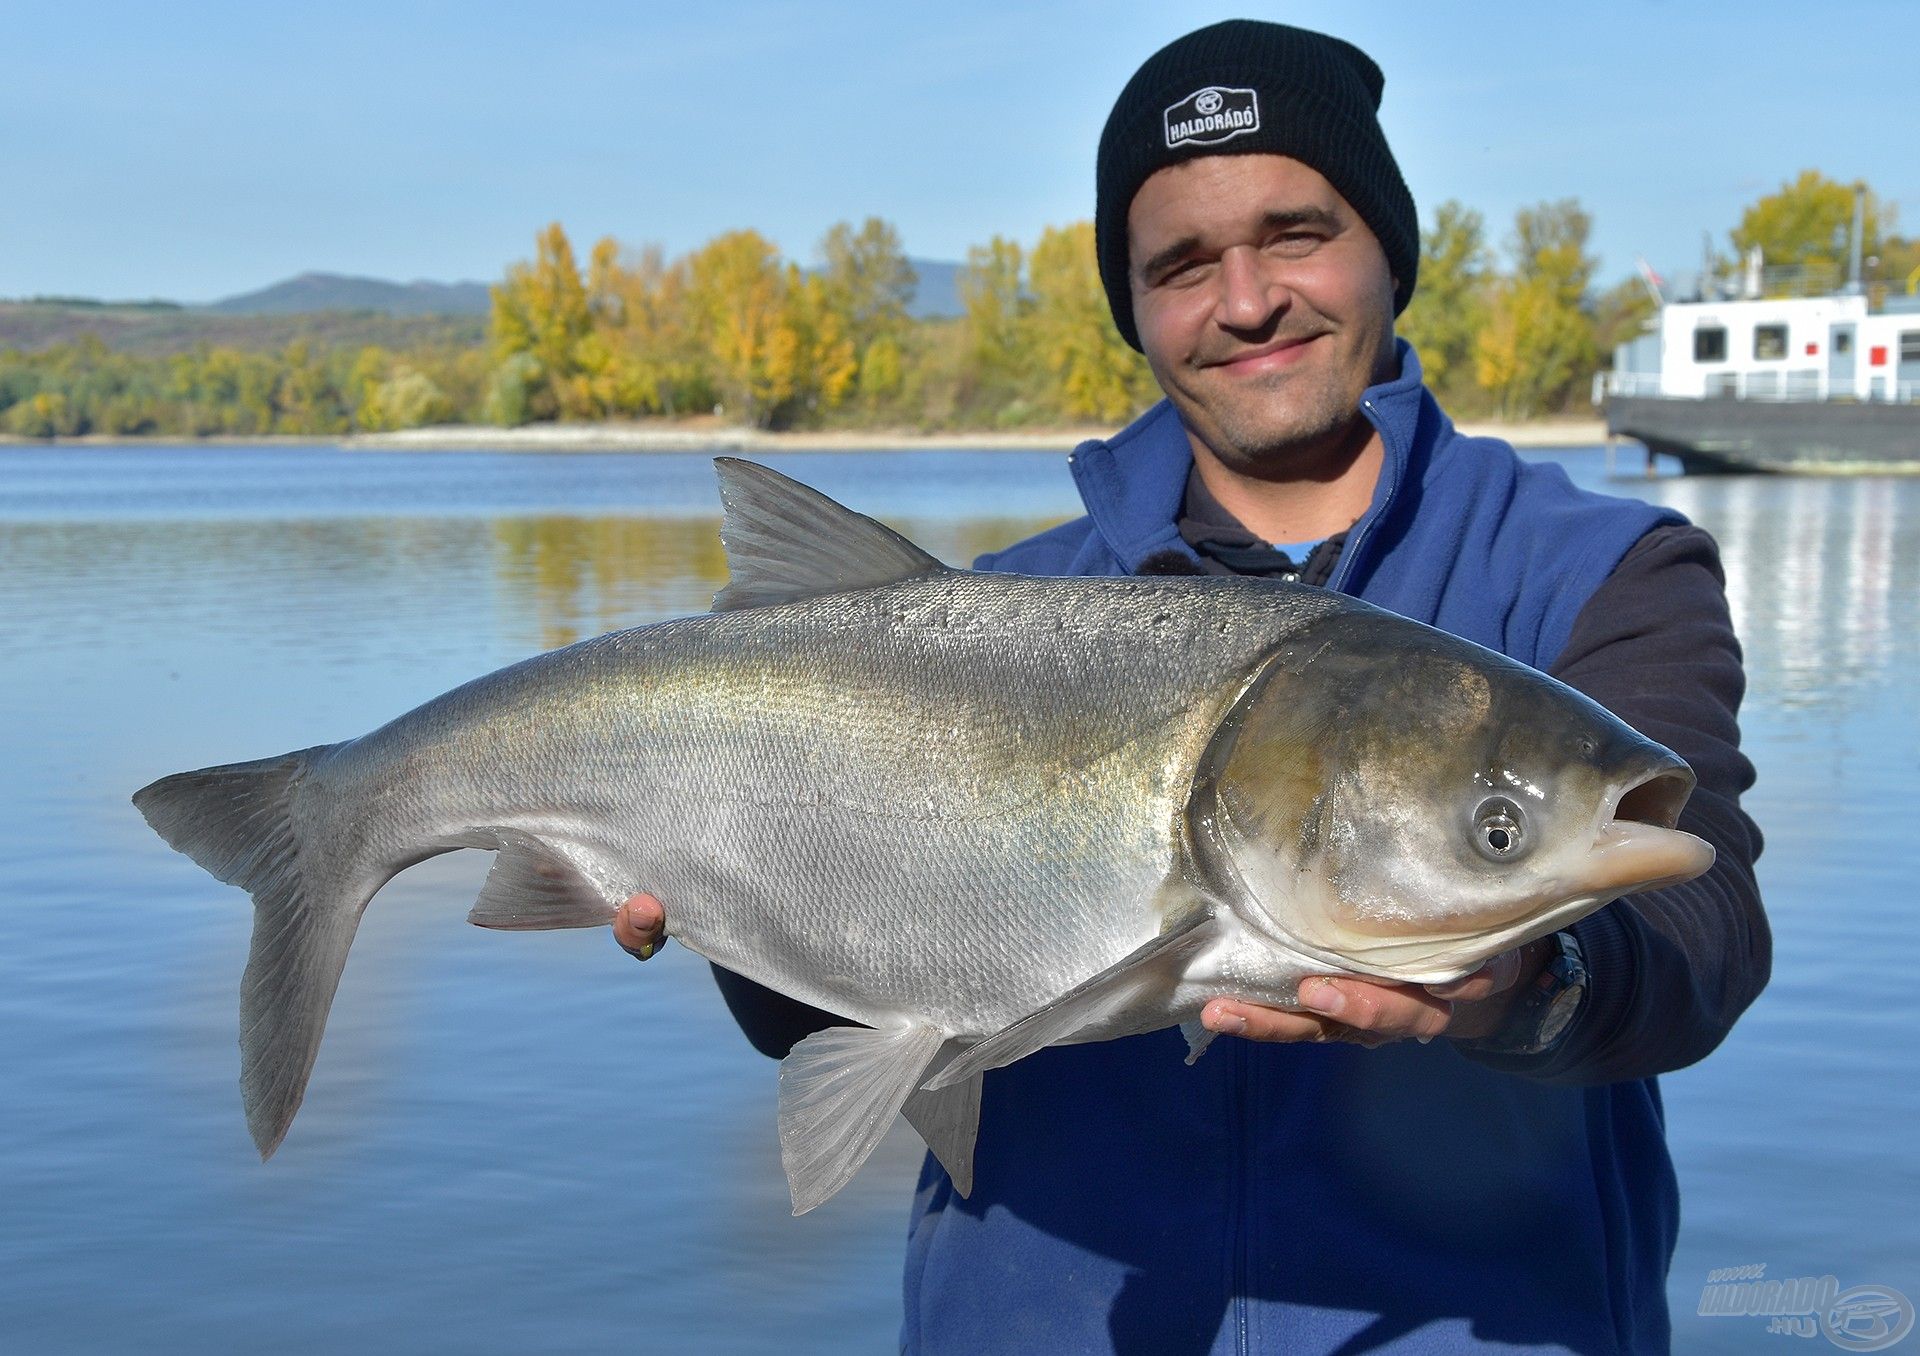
x: 1264, y: 305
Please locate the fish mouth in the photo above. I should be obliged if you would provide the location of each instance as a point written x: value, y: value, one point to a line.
x: 1637, y: 844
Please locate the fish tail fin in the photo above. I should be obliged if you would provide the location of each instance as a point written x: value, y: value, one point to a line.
x: 239, y: 823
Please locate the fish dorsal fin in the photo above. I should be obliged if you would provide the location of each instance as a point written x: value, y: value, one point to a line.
x: 785, y: 541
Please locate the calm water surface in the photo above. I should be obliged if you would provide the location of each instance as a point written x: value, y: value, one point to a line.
x: 527, y: 1143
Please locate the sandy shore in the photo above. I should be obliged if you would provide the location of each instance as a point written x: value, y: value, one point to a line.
x: 715, y: 437
x: 667, y: 438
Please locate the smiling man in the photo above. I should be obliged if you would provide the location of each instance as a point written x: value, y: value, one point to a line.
x: 1328, y: 1185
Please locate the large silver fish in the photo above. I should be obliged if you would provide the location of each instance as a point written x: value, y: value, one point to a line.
x: 977, y: 814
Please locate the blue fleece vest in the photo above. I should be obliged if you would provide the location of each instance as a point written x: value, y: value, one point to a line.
x: 1326, y: 1198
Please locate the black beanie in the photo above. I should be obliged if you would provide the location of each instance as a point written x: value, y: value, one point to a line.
x: 1240, y: 88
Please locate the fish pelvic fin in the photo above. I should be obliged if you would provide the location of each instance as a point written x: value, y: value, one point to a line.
x: 533, y: 887
x: 237, y: 822
x: 1198, y: 1039
x: 949, y: 1121
x: 1134, y: 976
x: 785, y: 541
x: 839, y: 1092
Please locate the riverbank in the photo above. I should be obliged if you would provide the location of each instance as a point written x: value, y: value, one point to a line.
x: 715, y: 437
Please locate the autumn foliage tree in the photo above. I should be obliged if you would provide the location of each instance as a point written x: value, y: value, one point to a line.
x: 1449, y: 308
x: 1538, y: 341
x: 737, y: 327
x: 1806, y: 226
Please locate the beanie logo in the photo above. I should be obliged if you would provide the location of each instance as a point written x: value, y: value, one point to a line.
x: 1212, y: 115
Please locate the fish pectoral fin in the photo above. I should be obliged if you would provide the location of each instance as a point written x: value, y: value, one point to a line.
x: 785, y: 541
x: 1086, y: 1003
x: 839, y: 1092
x: 533, y: 886
x: 948, y: 1119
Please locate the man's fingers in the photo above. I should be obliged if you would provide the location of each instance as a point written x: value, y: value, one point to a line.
x: 1389, y: 1010
x: 1258, y: 1023
x: 1469, y: 988
x: 1496, y: 976
x: 640, y: 926
x: 1355, y: 1011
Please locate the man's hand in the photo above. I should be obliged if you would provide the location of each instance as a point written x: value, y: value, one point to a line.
x: 640, y: 926
x: 1373, y: 1012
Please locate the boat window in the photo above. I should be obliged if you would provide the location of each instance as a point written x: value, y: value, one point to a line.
x: 1769, y: 342
x: 1910, y: 346
x: 1843, y: 341
x: 1710, y: 344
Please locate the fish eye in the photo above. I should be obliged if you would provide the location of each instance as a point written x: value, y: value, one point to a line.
x: 1499, y: 829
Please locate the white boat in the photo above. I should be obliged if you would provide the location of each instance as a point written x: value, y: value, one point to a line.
x: 1827, y: 383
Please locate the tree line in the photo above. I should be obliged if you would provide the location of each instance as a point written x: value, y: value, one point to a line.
x: 735, y: 330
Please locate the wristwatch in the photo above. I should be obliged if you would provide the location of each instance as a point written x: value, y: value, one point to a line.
x: 1541, y: 1017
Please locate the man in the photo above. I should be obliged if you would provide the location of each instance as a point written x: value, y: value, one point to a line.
x: 1327, y: 1185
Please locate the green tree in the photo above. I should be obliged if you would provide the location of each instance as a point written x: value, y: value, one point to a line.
x: 868, y: 278
x: 1620, y: 313
x: 881, y: 374
x: 1449, y: 308
x: 993, y: 295
x: 540, y: 311
x: 1807, y: 225
x: 1538, y: 343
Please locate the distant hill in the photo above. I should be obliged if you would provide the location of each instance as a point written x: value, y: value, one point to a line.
x: 335, y: 292
x: 938, y: 294
x: 33, y: 325
x: 326, y: 310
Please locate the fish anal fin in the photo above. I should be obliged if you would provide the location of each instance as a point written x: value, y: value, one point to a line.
x: 534, y: 887
x: 785, y: 541
x: 839, y: 1092
x: 948, y: 1119
x: 1088, y: 1002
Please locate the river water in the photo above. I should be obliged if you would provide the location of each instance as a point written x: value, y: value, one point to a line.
x: 528, y: 1143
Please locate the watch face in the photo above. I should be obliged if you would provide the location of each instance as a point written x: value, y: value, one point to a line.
x: 1559, y: 1012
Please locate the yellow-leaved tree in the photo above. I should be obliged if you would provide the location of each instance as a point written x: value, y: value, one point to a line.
x: 1538, y: 343
x: 540, y: 320
x: 1804, y: 230
x: 736, y: 301
x: 1095, y: 374
x: 1449, y: 308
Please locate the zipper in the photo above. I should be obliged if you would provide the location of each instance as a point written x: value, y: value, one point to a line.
x: 1240, y: 1097
x: 1350, y: 557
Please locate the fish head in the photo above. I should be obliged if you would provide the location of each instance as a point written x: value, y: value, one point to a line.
x: 1408, y: 804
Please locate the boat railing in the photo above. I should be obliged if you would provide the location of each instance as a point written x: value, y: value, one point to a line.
x: 1791, y: 385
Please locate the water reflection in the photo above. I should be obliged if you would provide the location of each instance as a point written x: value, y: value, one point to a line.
x: 1821, y: 576
x: 585, y: 576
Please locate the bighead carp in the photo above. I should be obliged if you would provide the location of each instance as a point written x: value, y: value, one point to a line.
x: 974, y: 814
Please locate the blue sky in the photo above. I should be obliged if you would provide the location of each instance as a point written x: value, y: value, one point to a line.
x: 196, y: 150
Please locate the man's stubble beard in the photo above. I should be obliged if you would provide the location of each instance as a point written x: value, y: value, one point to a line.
x: 1290, y: 426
